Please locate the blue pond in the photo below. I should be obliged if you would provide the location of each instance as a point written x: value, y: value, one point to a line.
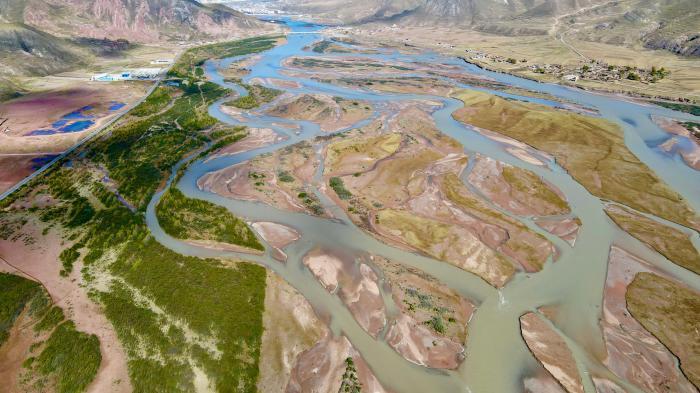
x: 115, y: 106
x: 78, y: 120
x: 38, y: 162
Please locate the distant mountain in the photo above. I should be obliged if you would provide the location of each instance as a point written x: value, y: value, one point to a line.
x: 42, y: 37
x: 144, y: 21
x: 424, y: 12
x: 25, y: 50
x: 673, y: 25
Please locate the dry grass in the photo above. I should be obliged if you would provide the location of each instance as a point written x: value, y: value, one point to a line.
x: 448, y: 243
x: 671, y: 243
x: 546, y: 49
x: 521, y: 240
x: 530, y: 186
x: 670, y: 312
x: 592, y: 150
x: 356, y: 154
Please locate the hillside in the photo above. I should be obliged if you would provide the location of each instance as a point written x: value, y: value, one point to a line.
x: 44, y: 37
x: 145, y: 21
x: 666, y: 24
x: 655, y: 24
x: 25, y: 50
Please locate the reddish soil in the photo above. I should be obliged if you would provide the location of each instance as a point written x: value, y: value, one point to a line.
x: 420, y: 345
x: 40, y: 261
x: 691, y: 153
x: 14, y: 168
x: 321, y: 368
x: 356, y: 284
x: 35, y: 111
x: 551, y: 350
x: 633, y: 353
x: 257, y: 137
x: 565, y: 228
x: 276, y: 235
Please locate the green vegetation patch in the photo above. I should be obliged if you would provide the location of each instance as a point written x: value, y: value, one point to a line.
x: 257, y: 95
x: 16, y: 293
x: 140, y: 331
x: 687, y: 108
x: 68, y: 258
x: 139, y: 154
x: 154, y: 103
x: 225, y: 304
x: 71, y: 357
x: 195, y: 219
x: 671, y: 312
x: 195, y: 57
x: 350, y: 382
x: 338, y: 186
x: 158, y: 299
x: 51, y: 319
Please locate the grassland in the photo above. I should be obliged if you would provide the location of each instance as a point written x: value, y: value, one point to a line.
x: 195, y: 57
x: 669, y: 242
x: 670, y: 312
x: 337, y: 185
x: 68, y: 360
x: 448, y: 243
x: 154, y: 103
x: 592, y: 150
x: 527, y: 183
x: 16, y: 293
x: 69, y: 356
x: 175, y: 315
x: 358, y: 153
x: 186, y: 218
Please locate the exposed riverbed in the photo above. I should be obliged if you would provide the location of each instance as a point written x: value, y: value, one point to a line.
x: 497, y: 358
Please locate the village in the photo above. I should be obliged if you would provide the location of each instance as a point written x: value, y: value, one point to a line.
x: 592, y: 70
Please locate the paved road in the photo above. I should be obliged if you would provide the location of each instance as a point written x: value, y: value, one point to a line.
x: 88, y: 138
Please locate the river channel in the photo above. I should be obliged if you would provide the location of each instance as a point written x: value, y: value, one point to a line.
x: 497, y: 358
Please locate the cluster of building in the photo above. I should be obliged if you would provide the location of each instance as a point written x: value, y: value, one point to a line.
x: 593, y: 70
x: 480, y: 56
x: 600, y: 71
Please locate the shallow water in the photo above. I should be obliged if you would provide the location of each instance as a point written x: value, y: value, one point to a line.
x: 497, y: 358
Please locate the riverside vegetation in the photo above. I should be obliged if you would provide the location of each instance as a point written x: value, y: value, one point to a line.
x: 257, y: 95
x: 176, y: 307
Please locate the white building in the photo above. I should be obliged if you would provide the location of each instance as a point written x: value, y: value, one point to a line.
x: 570, y: 77
x: 161, y: 61
x: 111, y: 77
x: 137, y: 74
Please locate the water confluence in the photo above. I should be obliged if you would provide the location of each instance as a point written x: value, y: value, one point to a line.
x: 496, y: 356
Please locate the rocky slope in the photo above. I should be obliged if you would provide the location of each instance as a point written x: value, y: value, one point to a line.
x: 26, y: 50
x: 656, y: 24
x: 136, y: 20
